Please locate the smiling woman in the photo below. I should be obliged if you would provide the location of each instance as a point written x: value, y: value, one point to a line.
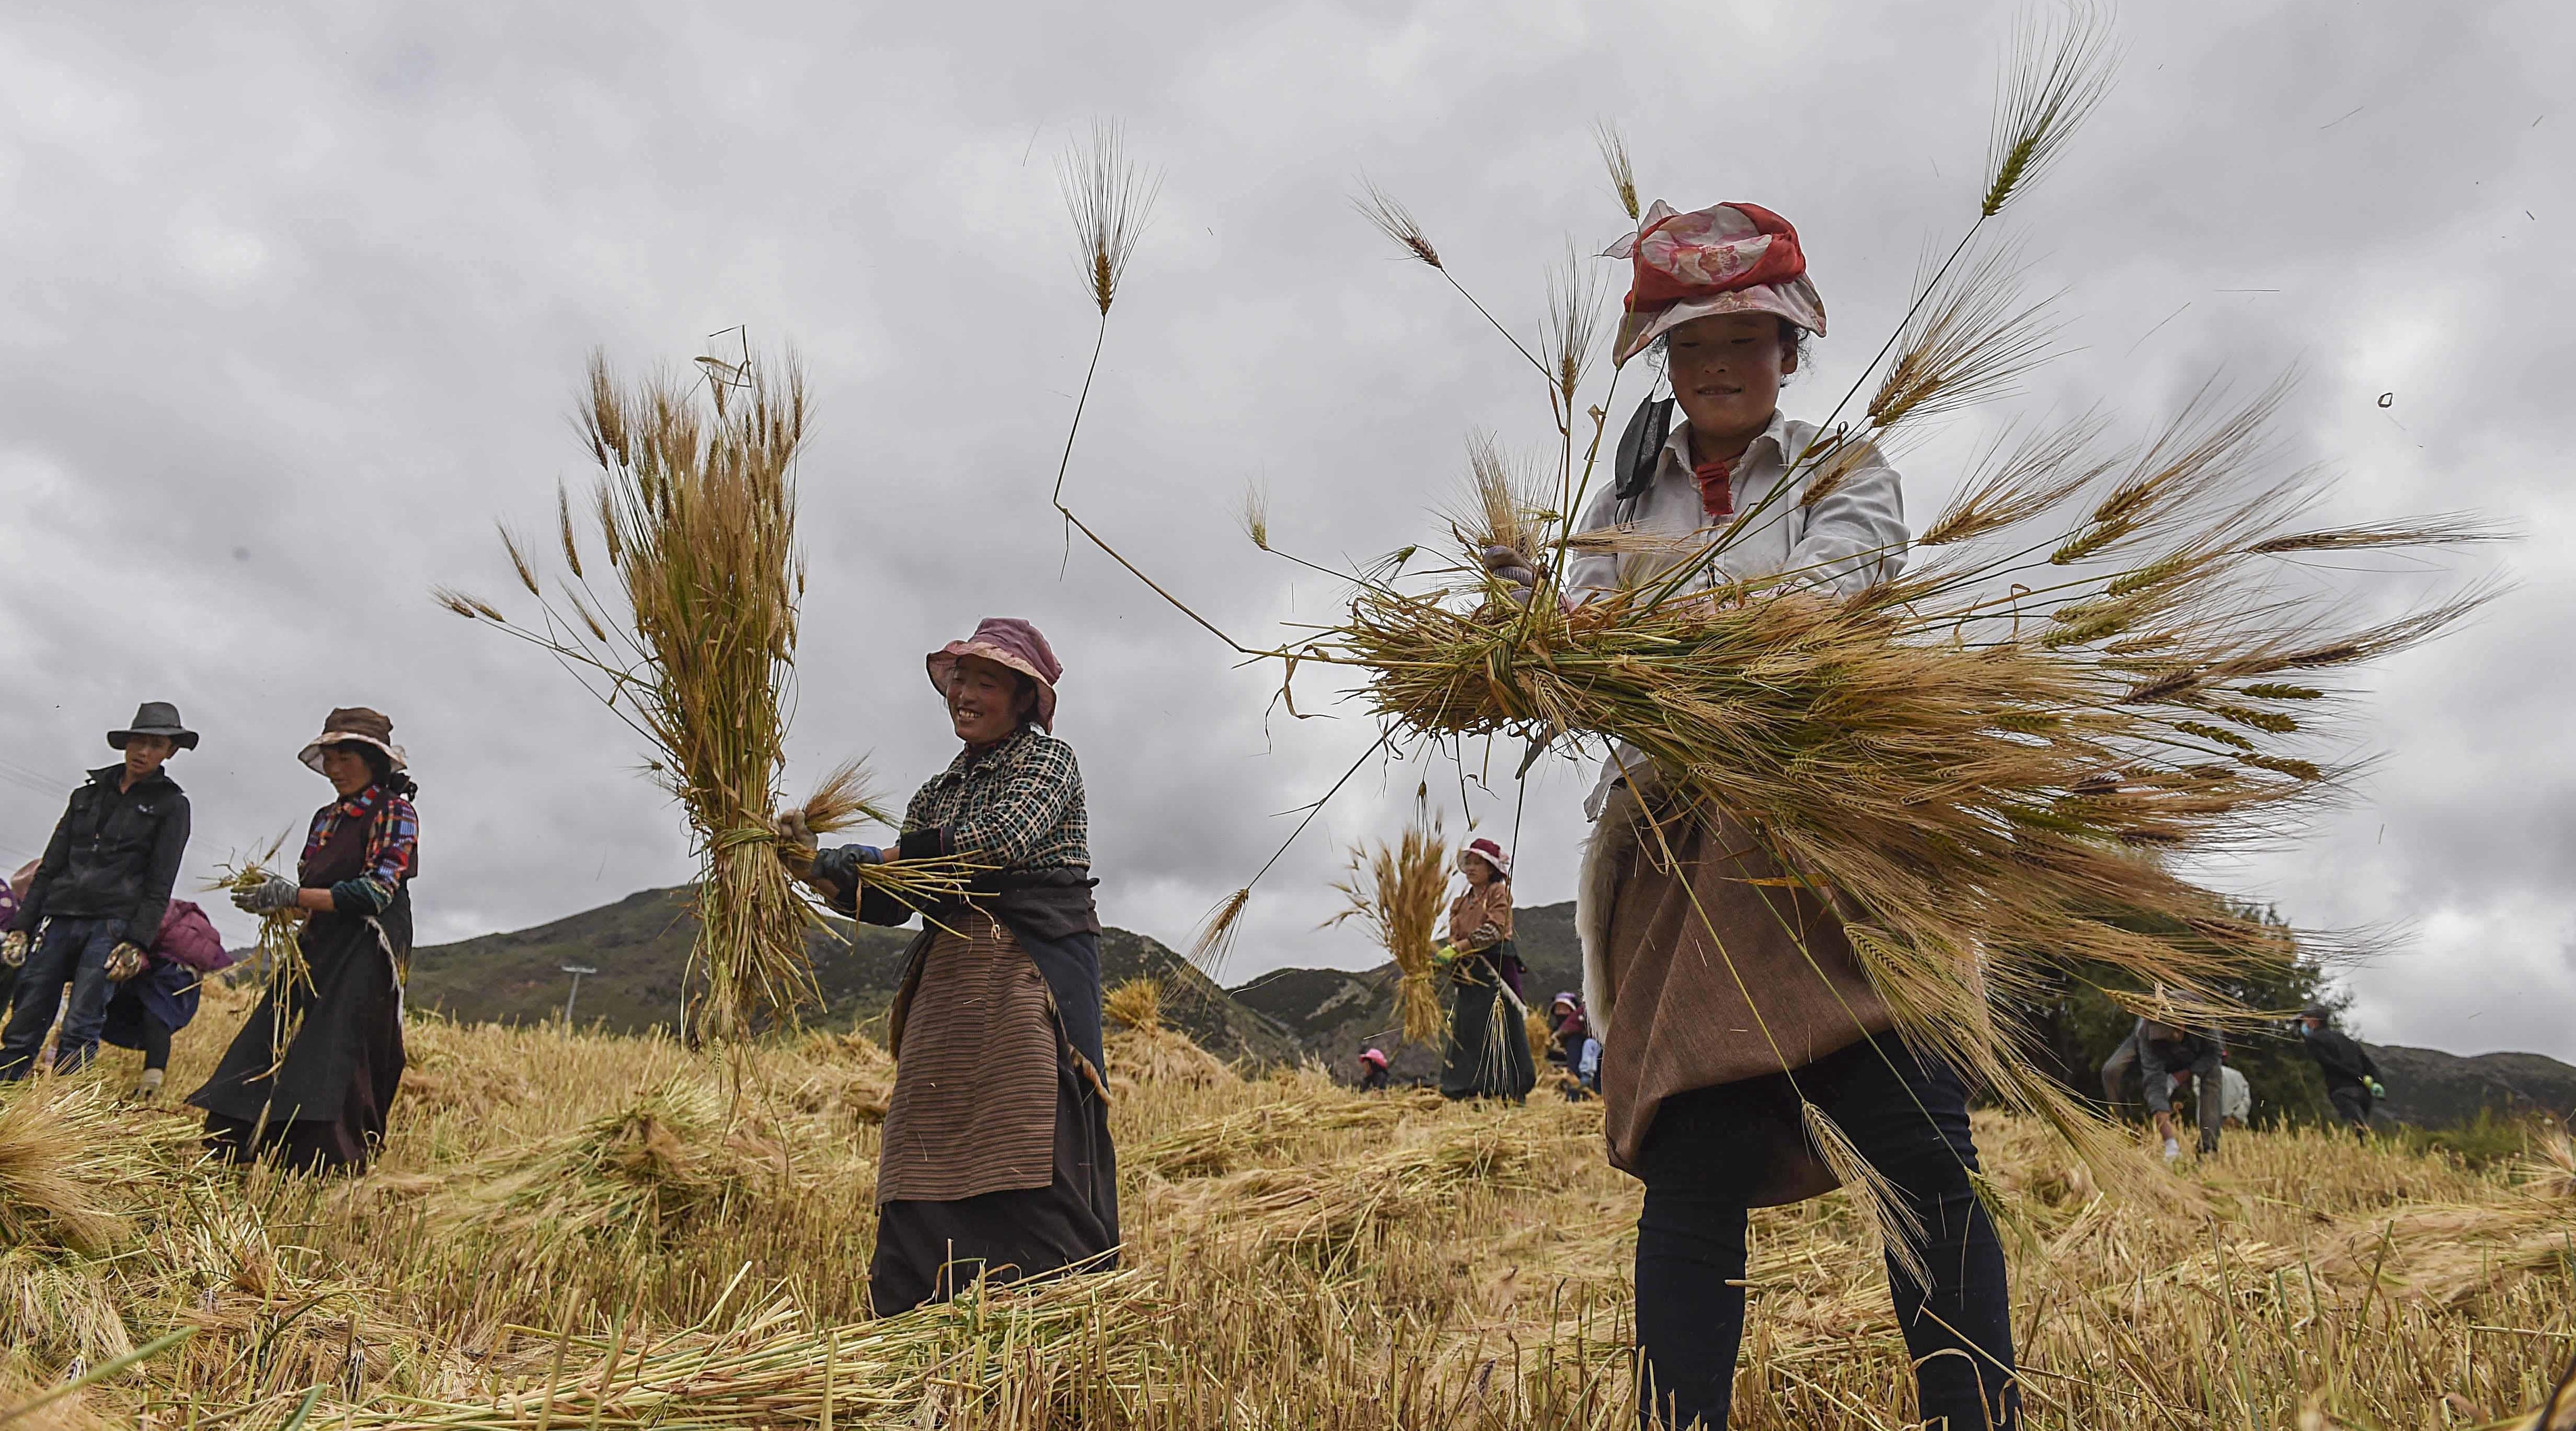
x: 997, y: 1162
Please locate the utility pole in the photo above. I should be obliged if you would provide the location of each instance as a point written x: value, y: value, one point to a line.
x: 576, y: 970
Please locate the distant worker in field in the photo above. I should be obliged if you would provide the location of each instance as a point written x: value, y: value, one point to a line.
x: 2235, y: 1095
x: 13, y: 894
x: 98, y: 894
x: 1575, y: 1051
x: 2352, y: 1077
x: 2168, y: 1048
x: 147, y: 1009
x: 1487, y: 1054
x: 1725, y: 995
x: 997, y: 1161
x: 1372, y: 1070
x: 2120, y: 1086
x: 322, y: 1108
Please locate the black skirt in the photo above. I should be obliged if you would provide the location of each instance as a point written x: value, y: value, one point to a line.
x: 324, y: 1107
x: 1488, y: 1054
x: 929, y: 1251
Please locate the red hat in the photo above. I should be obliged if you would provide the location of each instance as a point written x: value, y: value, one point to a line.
x: 1490, y: 853
x: 1370, y: 1055
x: 1006, y: 641
x: 1731, y: 258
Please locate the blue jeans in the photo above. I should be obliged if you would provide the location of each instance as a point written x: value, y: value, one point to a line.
x: 74, y: 952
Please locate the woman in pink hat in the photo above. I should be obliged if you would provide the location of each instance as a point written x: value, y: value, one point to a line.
x: 996, y: 1161
x: 1724, y: 995
x: 1488, y: 1054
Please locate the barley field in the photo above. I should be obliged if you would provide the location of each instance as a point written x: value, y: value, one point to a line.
x: 575, y: 1229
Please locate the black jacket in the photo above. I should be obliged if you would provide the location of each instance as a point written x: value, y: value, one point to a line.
x: 2343, y: 1061
x: 114, y: 856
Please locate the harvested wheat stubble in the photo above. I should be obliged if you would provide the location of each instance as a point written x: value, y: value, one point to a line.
x: 1451, y: 1298
x: 1247, y: 1135
x: 650, y: 1170
x: 1080, y: 1339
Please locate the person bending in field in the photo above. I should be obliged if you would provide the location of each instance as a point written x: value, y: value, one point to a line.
x: 996, y: 1158
x: 1722, y: 994
x: 13, y: 894
x: 1572, y: 1048
x: 98, y: 894
x: 2166, y: 1052
x: 152, y: 1006
x: 1372, y: 1070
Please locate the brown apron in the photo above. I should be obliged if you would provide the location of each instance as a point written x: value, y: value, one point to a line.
x: 1719, y: 971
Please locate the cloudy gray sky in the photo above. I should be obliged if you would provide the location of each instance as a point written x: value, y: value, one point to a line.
x: 297, y: 295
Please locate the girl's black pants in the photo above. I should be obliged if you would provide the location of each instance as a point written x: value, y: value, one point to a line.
x: 1909, y: 1118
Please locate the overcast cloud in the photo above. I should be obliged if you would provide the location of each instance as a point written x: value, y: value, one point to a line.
x: 297, y: 296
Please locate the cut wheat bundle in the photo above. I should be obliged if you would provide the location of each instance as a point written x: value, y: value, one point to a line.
x: 76, y: 1178
x: 1142, y: 1048
x: 663, y: 1164
x: 71, y: 1169
x: 696, y: 512
x: 1397, y: 891
x: 279, y: 948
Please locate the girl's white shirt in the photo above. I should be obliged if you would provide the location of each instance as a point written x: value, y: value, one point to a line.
x: 1851, y: 537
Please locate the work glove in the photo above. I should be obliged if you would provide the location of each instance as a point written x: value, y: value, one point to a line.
x: 2378, y: 1089
x: 2173, y: 1150
x: 124, y: 961
x: 1444, y: 956
x: 840, y: 867
x: 13, y: 949
x: 276, y: 893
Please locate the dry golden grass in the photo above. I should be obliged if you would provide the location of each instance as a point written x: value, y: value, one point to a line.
x: 644, y: 1239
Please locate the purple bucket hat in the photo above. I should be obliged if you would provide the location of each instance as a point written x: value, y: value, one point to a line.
x: 1007, y: 641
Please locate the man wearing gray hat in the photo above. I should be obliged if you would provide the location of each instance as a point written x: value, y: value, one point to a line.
x: 99, y: 893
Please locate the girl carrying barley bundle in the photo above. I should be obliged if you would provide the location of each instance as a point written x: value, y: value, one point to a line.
x: 1726, y: 994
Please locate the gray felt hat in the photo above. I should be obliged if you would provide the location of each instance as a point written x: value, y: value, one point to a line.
x: 156, y: 718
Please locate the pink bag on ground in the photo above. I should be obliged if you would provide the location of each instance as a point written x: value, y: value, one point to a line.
x: 188, y: 937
